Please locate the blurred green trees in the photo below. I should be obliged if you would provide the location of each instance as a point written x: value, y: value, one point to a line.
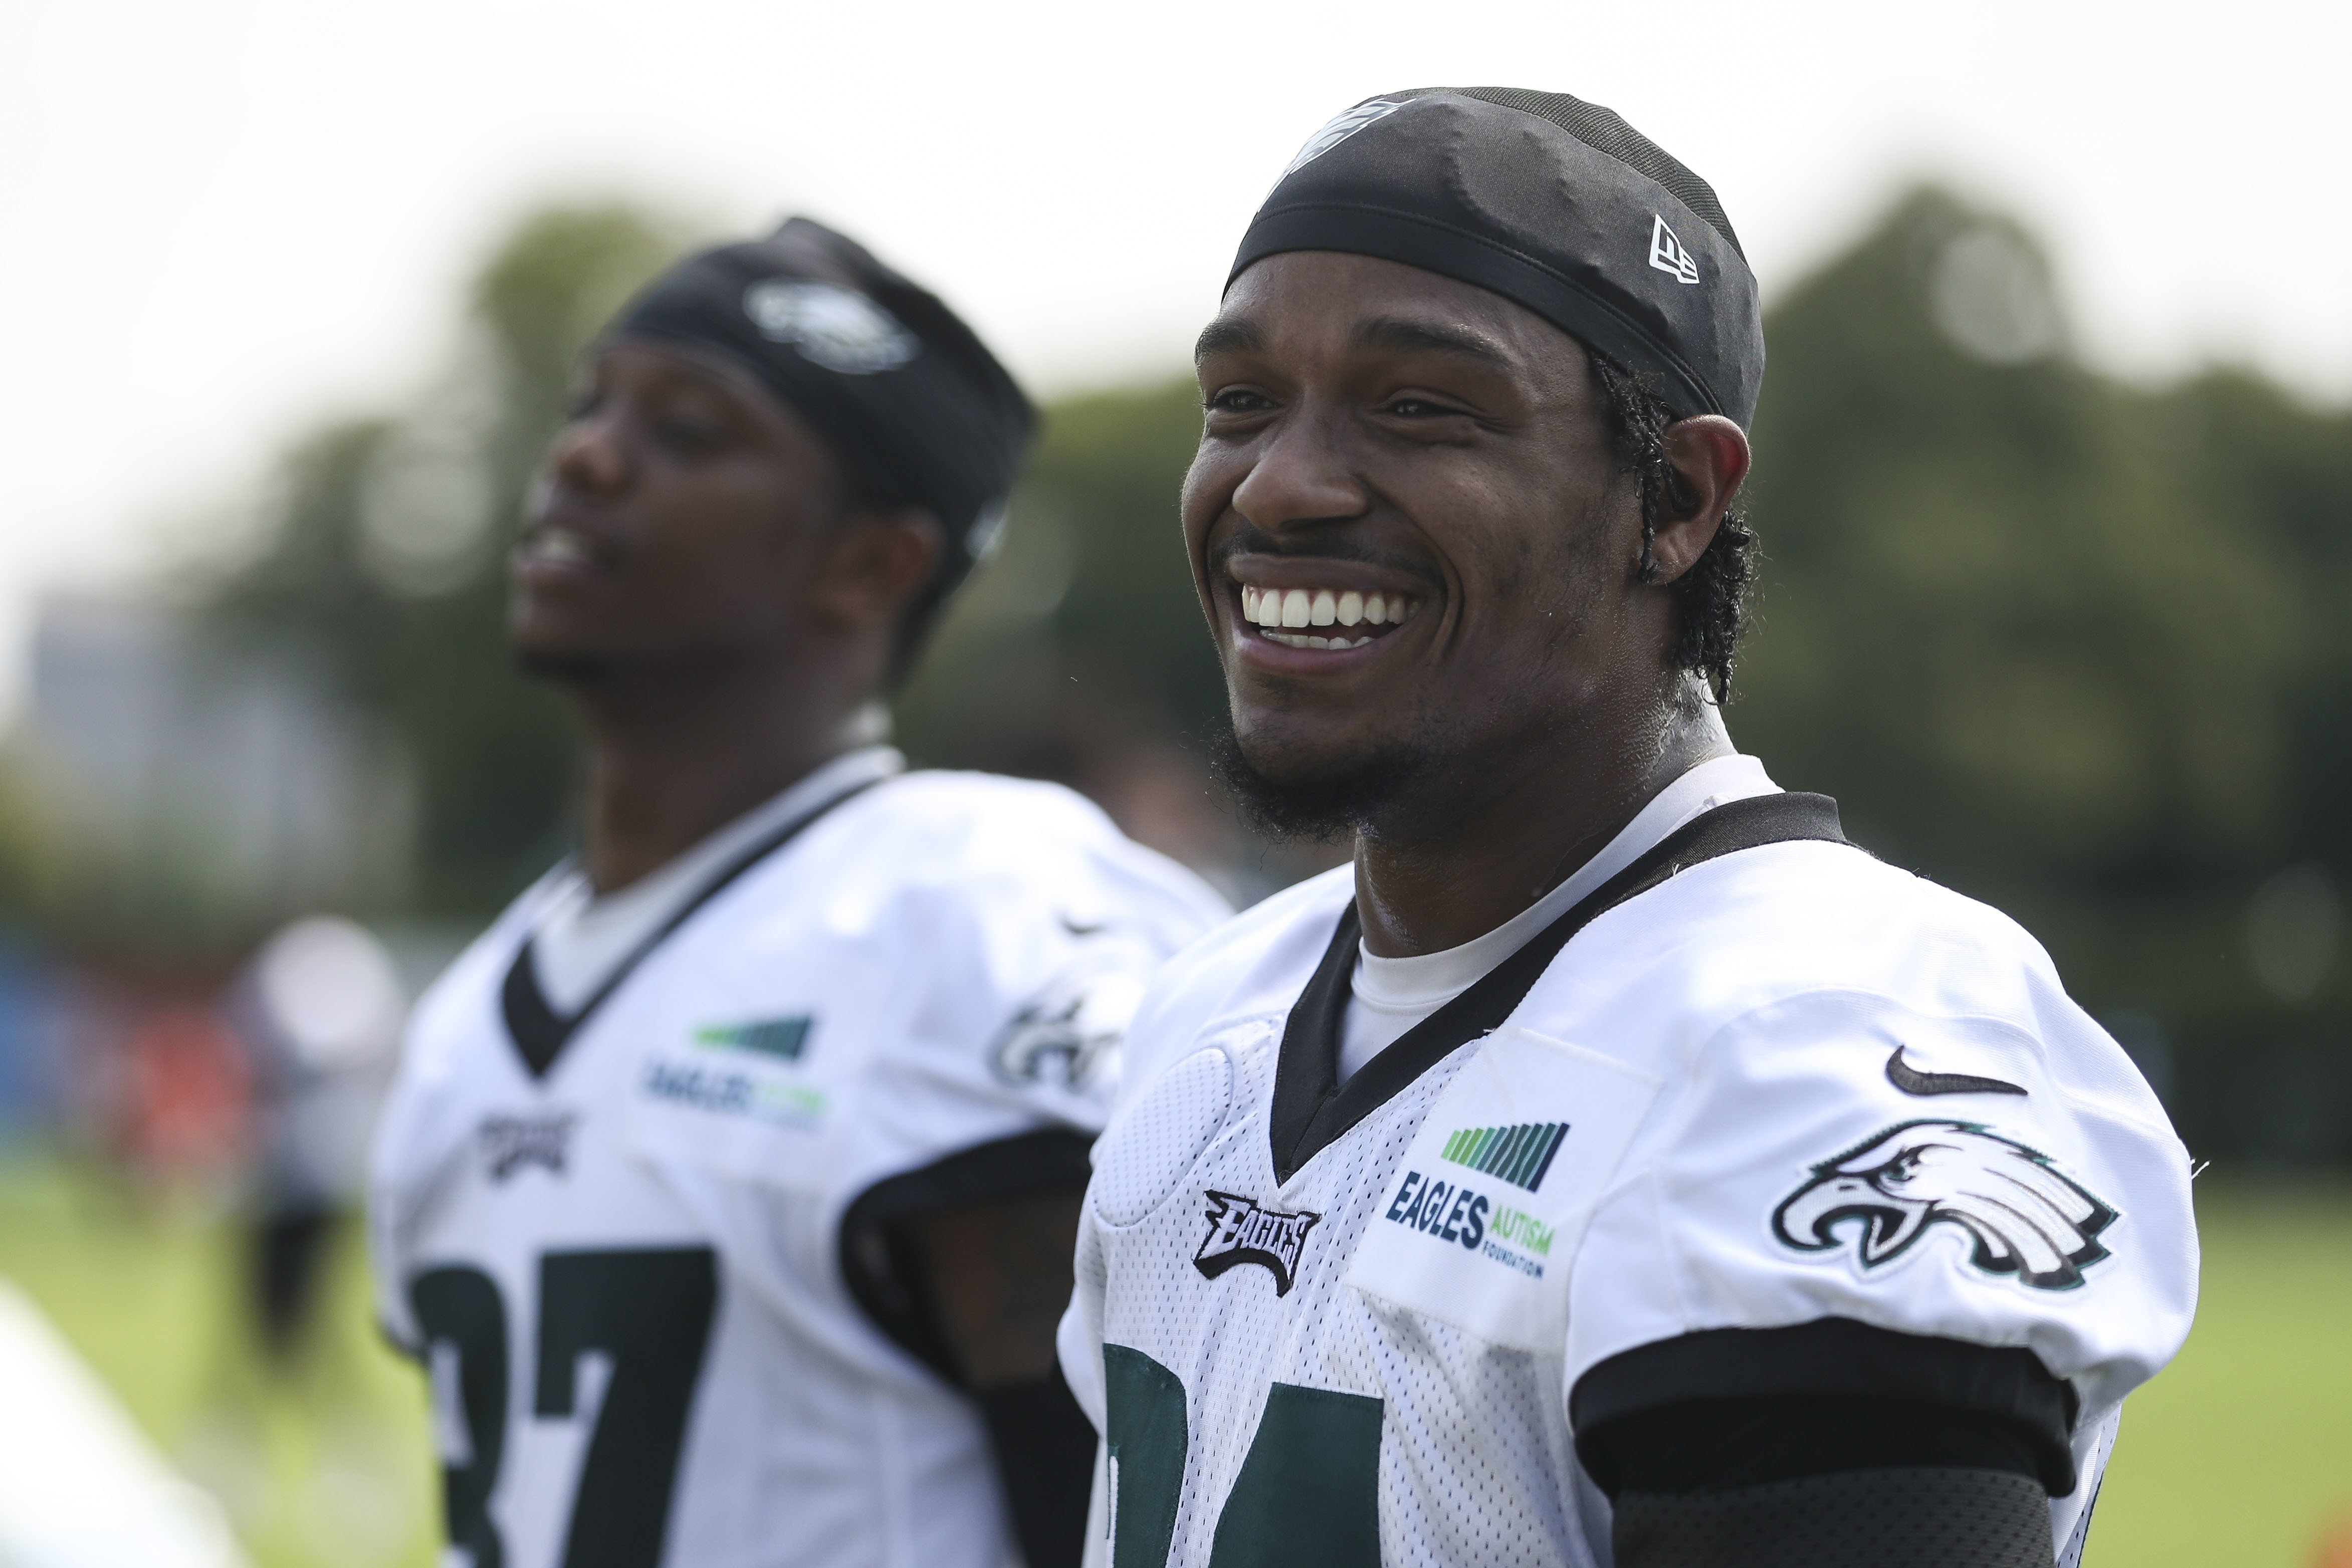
x: 2072, y: 647
x: 2062, y: 643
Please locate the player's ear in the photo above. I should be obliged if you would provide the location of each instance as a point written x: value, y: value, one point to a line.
x: 1706, y: 458
x: 879, y: 560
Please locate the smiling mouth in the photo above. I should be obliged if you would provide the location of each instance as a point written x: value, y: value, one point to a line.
x: 554, y: 545
x: 1324, y: 617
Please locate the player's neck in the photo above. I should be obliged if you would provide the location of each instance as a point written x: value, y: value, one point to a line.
x: 670, y: 762
x: 1497, y: 853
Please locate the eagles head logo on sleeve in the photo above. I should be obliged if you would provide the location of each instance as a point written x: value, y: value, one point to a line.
x: 1070, y: 1034
x: 2021, y: 1215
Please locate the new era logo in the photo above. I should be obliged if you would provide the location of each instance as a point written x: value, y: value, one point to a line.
x: 1667, y: 252
x: 1241, y: 1232
x: 1519, y: 1154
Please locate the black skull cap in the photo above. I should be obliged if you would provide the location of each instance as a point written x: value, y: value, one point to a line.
x: 909, y: 398
x: 1552, y: 203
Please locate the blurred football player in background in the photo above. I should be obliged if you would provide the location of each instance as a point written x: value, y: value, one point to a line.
x: 728, y: 1183
x: 318, y: 1010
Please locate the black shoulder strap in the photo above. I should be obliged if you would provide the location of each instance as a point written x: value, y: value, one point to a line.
x: 541, y: 1033
x: 1312, y: 1109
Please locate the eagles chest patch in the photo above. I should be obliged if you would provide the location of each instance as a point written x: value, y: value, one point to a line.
x: 1478, y: 1226
x: 1240, y: 1232
x: 2022, y: 1216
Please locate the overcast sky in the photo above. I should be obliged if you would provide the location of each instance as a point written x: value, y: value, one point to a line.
x: 223, y: 222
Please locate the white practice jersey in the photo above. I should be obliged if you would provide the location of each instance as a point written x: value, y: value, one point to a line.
x: 624, y: 1274
x: 1786, y: 1086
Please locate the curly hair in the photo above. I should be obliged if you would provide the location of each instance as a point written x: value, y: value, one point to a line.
x: 1712, y: 596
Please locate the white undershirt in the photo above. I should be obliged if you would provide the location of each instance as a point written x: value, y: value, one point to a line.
x: 582, y: 938
x: 1392, y: 995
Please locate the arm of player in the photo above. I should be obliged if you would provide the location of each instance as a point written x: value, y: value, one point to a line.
x: 998, y: 1278
x: 1000, y: 1275
x: 1918, y: 1519
x: 1878, y: 1293
x: 1815, y: 1479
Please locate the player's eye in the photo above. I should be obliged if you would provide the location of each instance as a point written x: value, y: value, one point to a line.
x: 1237, y: 399
x: 687, y: 430
x: 1420, y: 408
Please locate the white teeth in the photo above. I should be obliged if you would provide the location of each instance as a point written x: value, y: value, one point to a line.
x: 560, y: 546
x: 1301, y: 639
x: 1292, y: 608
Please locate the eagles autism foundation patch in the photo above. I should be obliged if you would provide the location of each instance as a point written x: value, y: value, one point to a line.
x: 1487, y: 1210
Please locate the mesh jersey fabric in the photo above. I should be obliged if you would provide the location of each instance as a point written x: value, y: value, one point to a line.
x: 622, y: 1275
x: 1714, y: 1055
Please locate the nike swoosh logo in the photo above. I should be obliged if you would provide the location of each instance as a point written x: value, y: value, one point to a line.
x: 1075, y: 929
x: 1911, y: 1081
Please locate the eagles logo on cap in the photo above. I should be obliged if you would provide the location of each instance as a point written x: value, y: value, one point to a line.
x: 1341, y: 126
x: 837, y: 328
x: 912, y: 403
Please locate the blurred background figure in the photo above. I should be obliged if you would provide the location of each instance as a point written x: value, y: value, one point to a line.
x: 320, y: 1010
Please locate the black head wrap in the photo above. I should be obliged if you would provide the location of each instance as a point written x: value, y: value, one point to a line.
x: 1549, y: 202
x: 909, y: 398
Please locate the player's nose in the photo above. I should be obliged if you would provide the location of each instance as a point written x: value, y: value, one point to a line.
x: 1300, y: 475
x: 589, y: 456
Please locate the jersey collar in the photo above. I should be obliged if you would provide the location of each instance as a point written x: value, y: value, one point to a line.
x: 1312, y: 1109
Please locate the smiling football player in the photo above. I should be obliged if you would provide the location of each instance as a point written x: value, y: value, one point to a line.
x: 1613, y: 1164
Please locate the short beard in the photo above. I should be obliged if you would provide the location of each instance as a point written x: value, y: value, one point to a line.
x: 1359, y: 797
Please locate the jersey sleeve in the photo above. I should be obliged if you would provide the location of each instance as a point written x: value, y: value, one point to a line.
x: 1026, y: 965
x: 1031, y: 976
x: 1851, y: 1195
x: 1005, y: 964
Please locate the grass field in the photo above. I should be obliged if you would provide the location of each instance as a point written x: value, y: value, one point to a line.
x: 2241, y: 1453
x: 323, y: 1464
x: 2239, y: 1457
